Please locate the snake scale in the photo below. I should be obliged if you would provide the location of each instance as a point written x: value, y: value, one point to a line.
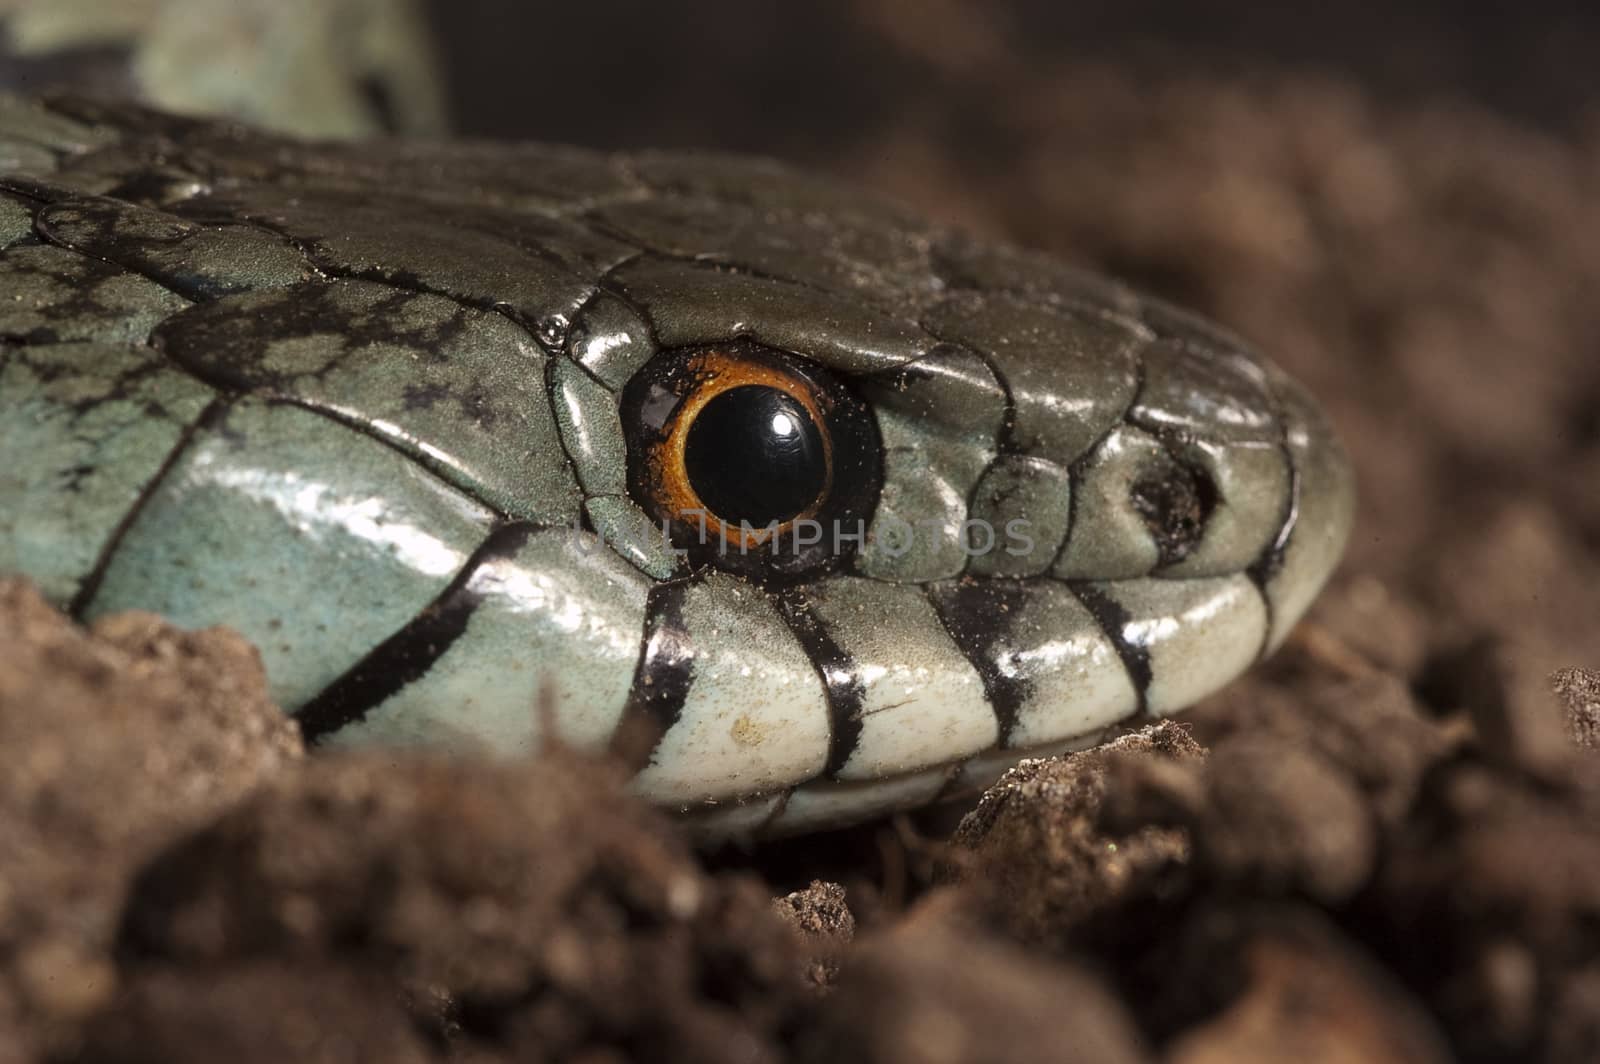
x: 812, y: 507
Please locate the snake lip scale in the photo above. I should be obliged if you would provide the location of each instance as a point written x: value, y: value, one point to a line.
x: 428, y: 423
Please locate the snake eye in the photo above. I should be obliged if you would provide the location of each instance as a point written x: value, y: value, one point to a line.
x: 755, y: 460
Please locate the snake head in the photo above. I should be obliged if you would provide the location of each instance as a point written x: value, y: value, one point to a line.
x: 1070, y: 505
x: 809, y: 507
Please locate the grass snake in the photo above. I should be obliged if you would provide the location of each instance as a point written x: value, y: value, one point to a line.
x: 455, y: 430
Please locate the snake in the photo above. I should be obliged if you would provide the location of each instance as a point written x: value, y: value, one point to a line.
x: 807, y: 507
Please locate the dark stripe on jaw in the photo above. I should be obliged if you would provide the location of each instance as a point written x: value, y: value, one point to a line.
x: 841, y: 680
x: 662, y: 678
x: 976, y: 613
x: 1113, y: 620
x: 211, y: 416
x: 408, y: 654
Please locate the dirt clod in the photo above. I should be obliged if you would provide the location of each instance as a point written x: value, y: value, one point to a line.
x: 1039, y: 856
x: 1306, y: 994
x: 1579, y: 692
x: 546, y: 914
x: 822, y: 916
x: 934, y: 994
x: 114, y: 742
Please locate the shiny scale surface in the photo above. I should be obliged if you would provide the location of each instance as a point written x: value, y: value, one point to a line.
x: 361, y: 402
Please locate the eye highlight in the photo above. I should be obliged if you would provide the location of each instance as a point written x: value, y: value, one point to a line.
x: 755, y: 454
x: 757, y: 461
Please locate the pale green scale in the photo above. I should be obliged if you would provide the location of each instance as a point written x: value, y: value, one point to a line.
x: 1252, y: 485
x: 57, y: 295
x: 1324, y: 503
x: 1072, y: 372
x: 1054, y: 668
x: 555, y: 629
x: 831, y: 803
x: 313, y: 540
x: 928, y: 475
x: 940, y: 418
x: 755, y: 714
x: 85, y: 428
x: 1216, y: 414
x: 459, y: 389
x: 695, y: 303
x: 1021, y: 510
x: 1197, y: 633
x: 198, y: 261
x: 611, y: 340
x: 922, y: 703
x: 632, y: 533
x: 590, y: 428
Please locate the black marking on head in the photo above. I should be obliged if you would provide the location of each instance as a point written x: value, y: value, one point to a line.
x: 73, y: 282
x: 211, y: 416
x: 840, y: 677
x: 227, y: 344
x: 423, y: 396
x: 976, y: 613
x: 662, y: 678
x: 1175, y: 503
x: 408, y: 654
x: 1113, y: 620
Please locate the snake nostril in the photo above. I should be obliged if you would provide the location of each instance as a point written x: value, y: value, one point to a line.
x: 1175, y: 501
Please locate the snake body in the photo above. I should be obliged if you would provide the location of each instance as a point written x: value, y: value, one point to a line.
x: 370, y: 405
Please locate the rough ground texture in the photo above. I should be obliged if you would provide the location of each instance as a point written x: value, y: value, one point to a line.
x: 1383, y: 845
x: 112, y: 745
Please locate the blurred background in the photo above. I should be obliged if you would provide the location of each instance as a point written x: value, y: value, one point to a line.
x: 804, y: 79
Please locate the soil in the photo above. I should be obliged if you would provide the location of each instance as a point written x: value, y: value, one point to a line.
x: 1381, y: 845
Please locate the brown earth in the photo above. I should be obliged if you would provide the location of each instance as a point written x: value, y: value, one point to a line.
x: 1383, y: 845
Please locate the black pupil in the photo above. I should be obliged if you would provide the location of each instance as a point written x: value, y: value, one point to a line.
x: 755, y: 456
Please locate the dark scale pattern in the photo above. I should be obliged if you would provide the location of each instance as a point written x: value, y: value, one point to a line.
x: 410, y: 652
x: 428, y: 296
x: 661, y: 683
x: 840, y: 675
